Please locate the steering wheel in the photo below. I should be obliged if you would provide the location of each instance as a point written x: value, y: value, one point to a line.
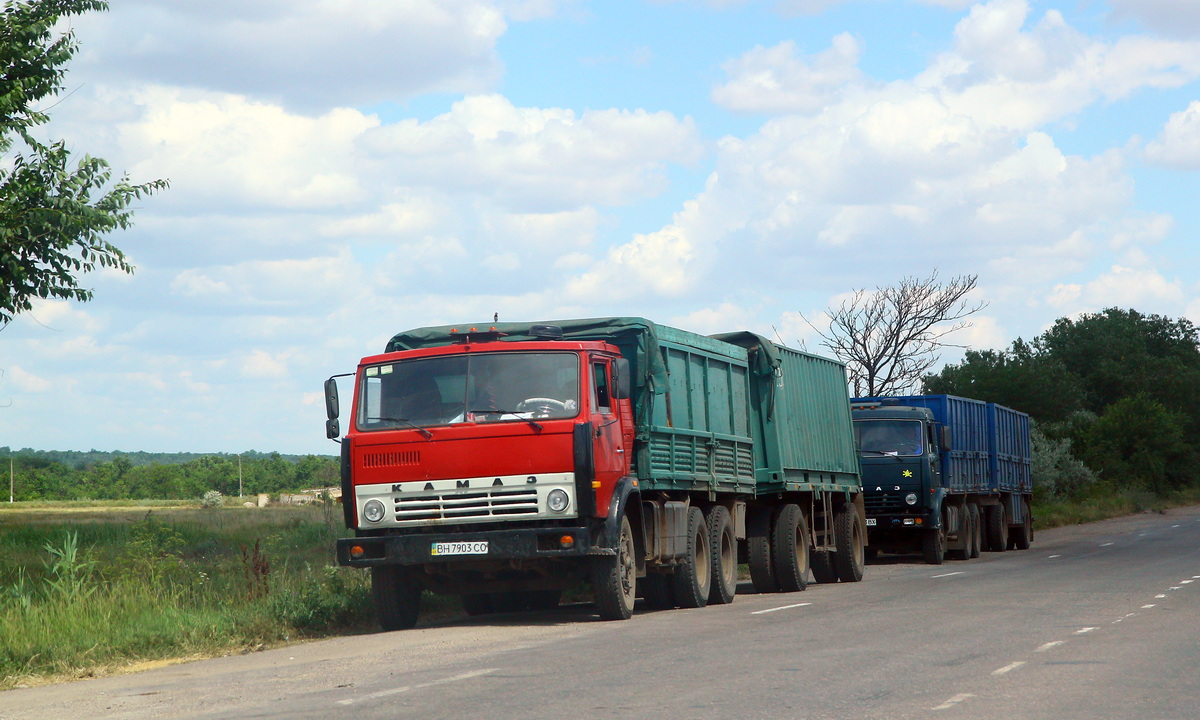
x: 541, y: 405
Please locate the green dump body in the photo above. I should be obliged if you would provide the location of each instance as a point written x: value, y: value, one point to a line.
x: 730, y: 413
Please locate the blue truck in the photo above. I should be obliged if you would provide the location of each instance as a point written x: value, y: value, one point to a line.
x: 944, y: 475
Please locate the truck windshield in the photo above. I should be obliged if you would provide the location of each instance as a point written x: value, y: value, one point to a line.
x: 477, y: 388
x: 888, y: 437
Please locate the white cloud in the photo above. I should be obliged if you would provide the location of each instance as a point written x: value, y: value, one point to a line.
x: 777, y: 80
x: 309, y: 54
x: 26, y: 381
x: 261, y: 364
x: 1178, y: 146
x: 1179, y: 18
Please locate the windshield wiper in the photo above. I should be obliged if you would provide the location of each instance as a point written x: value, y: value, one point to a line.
x: 885, y: 453
x: 492, y: 411
x: 424, y: 433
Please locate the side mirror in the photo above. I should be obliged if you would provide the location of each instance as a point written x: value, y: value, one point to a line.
x: 945, y: 438
x: 621, y: 382
x: 333, y: 429
x: 332, y: 407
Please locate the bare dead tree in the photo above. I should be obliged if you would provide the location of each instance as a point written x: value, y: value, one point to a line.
x: 891, y: 337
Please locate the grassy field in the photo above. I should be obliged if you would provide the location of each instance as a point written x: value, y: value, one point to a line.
x: 91, y: 588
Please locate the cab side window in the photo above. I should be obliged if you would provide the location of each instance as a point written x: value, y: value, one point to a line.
x: 601, y: 398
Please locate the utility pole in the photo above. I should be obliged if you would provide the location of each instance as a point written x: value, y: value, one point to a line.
x: 239, y: 475
x: 10, y: 481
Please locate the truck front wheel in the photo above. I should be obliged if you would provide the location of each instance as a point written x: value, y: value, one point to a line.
x: 933, y: 545
x: 397, y: 596
x: 614, y: 577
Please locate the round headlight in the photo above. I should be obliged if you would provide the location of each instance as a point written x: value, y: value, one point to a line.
x: 911, y: 498
x: 558, y: 500
x: 373, y: 511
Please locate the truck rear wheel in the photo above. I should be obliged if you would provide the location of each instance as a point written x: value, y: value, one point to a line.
x: 997, y: 528
x: 614, y: 577
x: 723, y: 551
x: 692, y: 580
x: 790, y: 549
x: 850, y: 558
x: 823, y: 569
x: 1023, y: 535
x: 397, y: 596
x: 758, y: 550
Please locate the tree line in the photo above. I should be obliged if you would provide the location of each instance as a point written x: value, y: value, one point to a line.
x: 1115, y: 397
x: 54, y: 475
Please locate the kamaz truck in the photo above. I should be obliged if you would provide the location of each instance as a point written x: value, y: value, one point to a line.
x: 509, y: 463
x: 944, y: 475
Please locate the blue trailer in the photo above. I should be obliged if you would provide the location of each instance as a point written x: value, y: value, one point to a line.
x: 944, y: 474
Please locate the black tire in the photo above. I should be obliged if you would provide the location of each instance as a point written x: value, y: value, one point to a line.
x: 850, y: 558
x: 823, y: 569
x: 789, y: 547
x: 758, y: 550
x: 692, y: 580
x: 976, y: 529
x: 397, y: 596
x: 1022, y: 536
x: 933, y: 546
x: 723, y: 552
x: 476, y: 604
x: 614, y: 577
x: 656, y: 592
x: 996, y: 528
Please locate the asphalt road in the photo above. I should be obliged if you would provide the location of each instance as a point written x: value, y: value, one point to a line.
x: 1096, y: 621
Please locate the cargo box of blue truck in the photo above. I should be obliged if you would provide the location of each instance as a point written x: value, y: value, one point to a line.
x: 944, y: 475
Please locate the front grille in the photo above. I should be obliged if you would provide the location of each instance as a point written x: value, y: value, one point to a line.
x: 467, y: 506
x: 885, y: 503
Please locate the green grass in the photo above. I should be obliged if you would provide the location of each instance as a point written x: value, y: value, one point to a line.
x: 89, y: 590
x: 1107, y: 503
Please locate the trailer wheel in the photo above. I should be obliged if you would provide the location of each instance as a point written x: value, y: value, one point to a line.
x: 397, y: 596
x: 723, y: 551
x: 692, y: 580
x: 976, y: 530
x: 614, y: 577
x: 997, y: 528
x: 823, y: 569
x: 758, y: 550
x: 790, y: 548
x: 933, y: 545
x: 656, y: 591
x: 1023, y: 536
x: 964, y: 535
x: 850, y: 558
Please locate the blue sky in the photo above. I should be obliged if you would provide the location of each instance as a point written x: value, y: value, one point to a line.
x: 345, y: 170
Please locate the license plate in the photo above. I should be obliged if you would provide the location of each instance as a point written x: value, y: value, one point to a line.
x: 459, y: 548
x: 870, y: 522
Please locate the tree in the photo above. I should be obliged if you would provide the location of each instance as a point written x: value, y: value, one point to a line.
x: 890, y: 338
x: 53, y: 214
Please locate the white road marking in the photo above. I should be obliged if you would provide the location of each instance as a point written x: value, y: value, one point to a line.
x: 785, y: 607
x: 1053, y: 556
x: 406, y: 688
x: 1174, y: 587
x: 1050, y: 646
x: 1160, y: 596
x: 1082, y: 631
x: 1106, y: 544
x: 959, y: 572
x: 1008, y: 668
x: 954, y: 701
x: 1147, y: 607
x: 1186, y: 582
x: 1127, y: 615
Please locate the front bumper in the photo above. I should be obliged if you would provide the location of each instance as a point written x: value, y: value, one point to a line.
x: 502, y: 544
